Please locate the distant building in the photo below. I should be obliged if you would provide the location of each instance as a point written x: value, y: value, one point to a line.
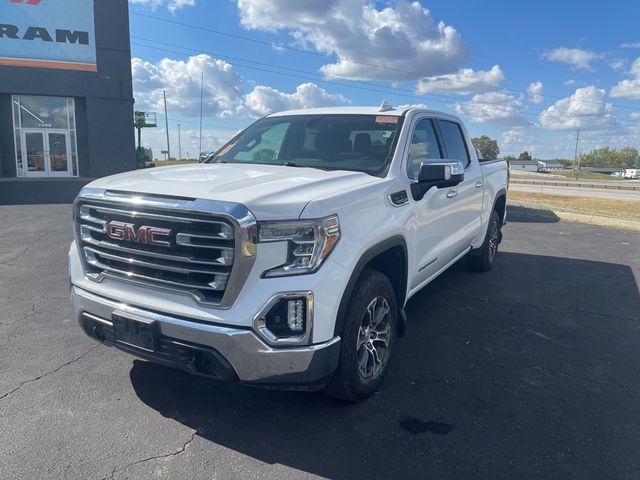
x: 66, y: 107
x: 546, y: 165
x: 524, y: 165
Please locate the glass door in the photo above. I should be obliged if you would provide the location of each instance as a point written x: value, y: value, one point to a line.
x: 48, y: 153
x: 59, y: 154
x: 33, y: 148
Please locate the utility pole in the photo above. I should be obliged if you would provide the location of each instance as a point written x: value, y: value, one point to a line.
x: 179, y: 144
x: 166, y: 123
x: 575, y: 155
x: 201, y: 97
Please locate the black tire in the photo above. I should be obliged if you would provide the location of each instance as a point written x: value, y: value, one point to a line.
x: 483, y: 259
x: 353, y: 380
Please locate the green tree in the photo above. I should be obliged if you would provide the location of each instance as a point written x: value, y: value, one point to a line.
x: 525, y: 156
x: 607, y: 157
x: 488, y: 147
x: 510, y: 158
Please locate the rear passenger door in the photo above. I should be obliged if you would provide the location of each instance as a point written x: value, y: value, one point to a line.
x: 433, y: 242
x: 469, y: 193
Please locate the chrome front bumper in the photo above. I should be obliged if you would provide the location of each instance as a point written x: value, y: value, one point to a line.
x: 251, y: 359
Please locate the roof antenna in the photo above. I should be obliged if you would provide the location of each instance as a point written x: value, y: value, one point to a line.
x: 385, y: 106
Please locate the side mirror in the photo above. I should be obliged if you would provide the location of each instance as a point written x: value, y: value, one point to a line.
x: 441, y: 175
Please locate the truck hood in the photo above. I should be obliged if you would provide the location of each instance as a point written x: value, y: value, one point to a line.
x: 271, y: 192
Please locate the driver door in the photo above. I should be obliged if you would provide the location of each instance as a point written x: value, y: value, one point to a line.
x: 433, y: 240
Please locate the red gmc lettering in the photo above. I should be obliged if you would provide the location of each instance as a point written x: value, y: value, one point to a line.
x: 145, y: 234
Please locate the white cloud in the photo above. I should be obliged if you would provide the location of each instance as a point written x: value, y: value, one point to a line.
x: 629, y: 88
x: 420, y: 106
x: 635, y: 115
x: 578, y: 58
x: 403, y: 39
x: 171, y: 5
x: 584, y: 109
x: 535, y: 90
x: 618, y: 64
x: 465, y: 82
x: 569, y: 82
x: 493, y: 107
x: 630, y: 45
x: 263, y: 100
x: 223, y: 93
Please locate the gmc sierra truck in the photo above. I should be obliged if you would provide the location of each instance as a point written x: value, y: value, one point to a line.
x: 285, y: 259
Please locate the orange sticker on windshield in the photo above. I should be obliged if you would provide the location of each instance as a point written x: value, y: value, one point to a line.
x: 225, y: 149
x: 386, y: 119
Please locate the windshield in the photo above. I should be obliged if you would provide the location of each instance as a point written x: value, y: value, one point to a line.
x: 331, y: 142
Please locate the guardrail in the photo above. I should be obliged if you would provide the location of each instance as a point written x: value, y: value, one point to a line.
x: 560, y: 183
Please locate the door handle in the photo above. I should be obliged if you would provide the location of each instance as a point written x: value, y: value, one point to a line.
x: 479, y: 184
x: 452, y: 193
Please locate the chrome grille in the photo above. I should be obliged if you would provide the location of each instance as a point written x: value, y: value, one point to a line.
x: 197, y: 254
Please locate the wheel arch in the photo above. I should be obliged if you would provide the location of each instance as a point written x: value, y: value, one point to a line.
x: 500, y: 204
x: 388, y: 257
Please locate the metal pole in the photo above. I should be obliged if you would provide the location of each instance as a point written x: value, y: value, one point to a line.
x: 201, y: 97
x: 166, y: 123
x: 575, y: 154
x: 179, y: 144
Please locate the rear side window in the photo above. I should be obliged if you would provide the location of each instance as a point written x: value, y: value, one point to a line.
x: 454, y: 142
x: 424, y: 147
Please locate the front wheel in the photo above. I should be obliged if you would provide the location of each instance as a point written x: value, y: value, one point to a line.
x: 482, y: 259
x: 367, y: 340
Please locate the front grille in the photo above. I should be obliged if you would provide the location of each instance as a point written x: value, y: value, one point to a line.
x: 194, y: 253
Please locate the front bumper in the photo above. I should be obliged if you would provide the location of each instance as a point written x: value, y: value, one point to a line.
x: 216, y: 351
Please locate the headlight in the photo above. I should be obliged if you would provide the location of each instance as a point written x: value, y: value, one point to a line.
x: 310, y: 242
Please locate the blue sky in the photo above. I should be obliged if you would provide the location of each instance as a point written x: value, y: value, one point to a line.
x: 526, y: 73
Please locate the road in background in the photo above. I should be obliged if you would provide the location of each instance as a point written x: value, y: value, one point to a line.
x: 529, y: 371
x: 610, y: 194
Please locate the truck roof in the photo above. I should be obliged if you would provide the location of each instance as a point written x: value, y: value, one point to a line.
x: 393, y: 112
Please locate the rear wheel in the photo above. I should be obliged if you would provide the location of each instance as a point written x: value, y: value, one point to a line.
x: 367, y: 340
x: 482, y: 259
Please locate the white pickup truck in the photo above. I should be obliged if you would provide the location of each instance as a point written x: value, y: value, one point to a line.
x: 287, y: 257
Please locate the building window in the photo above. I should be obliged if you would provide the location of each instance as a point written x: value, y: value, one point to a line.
x: 45, y: 136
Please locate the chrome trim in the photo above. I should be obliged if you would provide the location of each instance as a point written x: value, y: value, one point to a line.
x: 184, y: 240
x: 397, y: 204
x: 260, y: 326
x: 142, y: 263
x: 120, y: 274
x: 175, y: 258
x: 244, y: 236
x: 248, y: 354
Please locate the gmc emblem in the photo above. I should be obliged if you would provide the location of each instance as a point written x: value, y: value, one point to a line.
x: 144, y: 234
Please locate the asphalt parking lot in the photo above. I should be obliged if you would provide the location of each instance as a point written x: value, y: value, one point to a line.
x: 530, y: 371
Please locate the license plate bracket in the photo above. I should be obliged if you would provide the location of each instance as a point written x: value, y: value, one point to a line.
x: 135, y: 331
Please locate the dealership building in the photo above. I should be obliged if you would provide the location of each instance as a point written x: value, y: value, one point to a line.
x: 66, y: 100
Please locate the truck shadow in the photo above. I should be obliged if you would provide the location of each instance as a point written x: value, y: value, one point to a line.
x: 525, y: 369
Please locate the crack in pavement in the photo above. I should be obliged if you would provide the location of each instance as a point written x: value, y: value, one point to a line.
x: 60, y: 367
x: 197, y: 431
x: 31, y: 313
x: 29, y: 247
x: 155, y: 457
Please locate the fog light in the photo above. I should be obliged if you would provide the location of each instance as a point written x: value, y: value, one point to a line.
x: 295, y: 315
x: 287, y: 317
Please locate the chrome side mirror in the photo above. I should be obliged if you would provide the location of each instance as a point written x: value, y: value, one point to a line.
x: 437, y: 174
x: 441, y: 174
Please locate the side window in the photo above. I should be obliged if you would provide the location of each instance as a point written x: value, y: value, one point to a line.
x: 454, y: 142
x: 424, y: 146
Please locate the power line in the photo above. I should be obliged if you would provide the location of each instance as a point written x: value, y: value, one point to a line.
x: 377, y: 88
x: 352, y: 60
